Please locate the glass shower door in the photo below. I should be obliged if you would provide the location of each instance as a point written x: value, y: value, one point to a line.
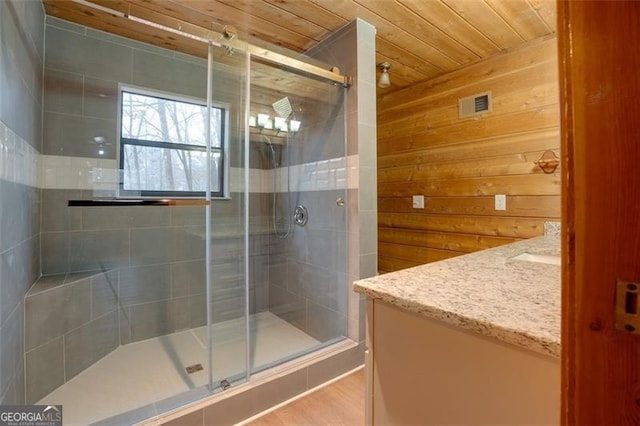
x: 298, y: 282
x: 120, y: 322
x: 227, y: 300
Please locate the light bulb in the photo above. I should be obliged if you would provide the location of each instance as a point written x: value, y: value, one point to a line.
x: 281, y: 124
x: 263, y: 120
x: 384, y: 80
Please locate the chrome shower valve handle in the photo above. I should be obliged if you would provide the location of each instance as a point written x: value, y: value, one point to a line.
x: 301, y: 215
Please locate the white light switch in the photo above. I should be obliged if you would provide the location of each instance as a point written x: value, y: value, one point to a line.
x: 418, y: 201
x: 501, y: 202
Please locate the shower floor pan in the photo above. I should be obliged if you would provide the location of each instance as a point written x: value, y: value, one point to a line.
x: 139, y: 374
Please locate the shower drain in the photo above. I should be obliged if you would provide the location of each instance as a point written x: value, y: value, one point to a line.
x: 194, y: 368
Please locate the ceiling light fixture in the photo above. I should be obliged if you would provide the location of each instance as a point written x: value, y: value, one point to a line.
x: 384, y: 80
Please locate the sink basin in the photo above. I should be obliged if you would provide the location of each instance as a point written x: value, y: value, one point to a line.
x: 538, y: 258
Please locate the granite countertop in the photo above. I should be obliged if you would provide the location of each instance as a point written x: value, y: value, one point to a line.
x: 487, y: 292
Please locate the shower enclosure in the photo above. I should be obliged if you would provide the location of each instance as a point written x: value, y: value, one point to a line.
x: 194, y: 223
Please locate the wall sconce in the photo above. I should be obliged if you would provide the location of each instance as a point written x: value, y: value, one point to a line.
x: 384, y: 80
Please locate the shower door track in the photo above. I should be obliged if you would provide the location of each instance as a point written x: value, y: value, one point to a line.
x: 227, y: 39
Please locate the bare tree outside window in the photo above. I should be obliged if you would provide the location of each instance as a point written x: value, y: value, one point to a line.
x: 163, y: 146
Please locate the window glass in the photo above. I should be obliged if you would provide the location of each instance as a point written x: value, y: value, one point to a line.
x: 163, y: 146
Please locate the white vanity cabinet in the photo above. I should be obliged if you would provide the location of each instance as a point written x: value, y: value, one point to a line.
x: 470, y: 340
x: 425, y: 372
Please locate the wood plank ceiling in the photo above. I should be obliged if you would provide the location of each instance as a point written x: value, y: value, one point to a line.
x: 421, y: 39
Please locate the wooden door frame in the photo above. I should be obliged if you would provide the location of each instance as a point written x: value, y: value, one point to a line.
x: 599, y: 59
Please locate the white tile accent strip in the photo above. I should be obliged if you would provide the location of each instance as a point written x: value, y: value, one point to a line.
x: 336, y: 173
x: 62, y: 172
x: 19, y: 161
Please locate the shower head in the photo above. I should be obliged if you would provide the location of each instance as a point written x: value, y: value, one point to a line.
x: 283, y: 108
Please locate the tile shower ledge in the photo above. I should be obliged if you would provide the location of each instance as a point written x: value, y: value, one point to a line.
x: 487, y: 292
x: 50, y: 282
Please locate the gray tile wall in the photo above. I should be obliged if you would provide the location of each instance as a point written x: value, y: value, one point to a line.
x: 157, y: 283
x: 159, y: 251
x: 352, y: 49
x: 307, y: 275
x: 354, y: 46
x: 149, y: 248
x: 322, y: 133
x: 143, y: 296
x: 308, y: 268
x: 156, y: 254
x: 80, y: 102
x: 21, y: 37
x: 81, y: 96
x: 70, y: 317
x: 21, y: 56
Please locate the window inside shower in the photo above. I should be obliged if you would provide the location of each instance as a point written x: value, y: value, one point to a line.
x: 163, y: 141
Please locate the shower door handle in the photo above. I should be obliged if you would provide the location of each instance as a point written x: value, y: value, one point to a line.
x: 340, y: 202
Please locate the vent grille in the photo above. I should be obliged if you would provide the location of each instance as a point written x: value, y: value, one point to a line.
x: 474, y: 105
x: 481, y: 103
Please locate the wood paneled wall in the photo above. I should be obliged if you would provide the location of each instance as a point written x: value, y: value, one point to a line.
x: 460, y: 164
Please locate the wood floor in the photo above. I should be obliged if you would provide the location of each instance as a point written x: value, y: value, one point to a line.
x: 340, y: 403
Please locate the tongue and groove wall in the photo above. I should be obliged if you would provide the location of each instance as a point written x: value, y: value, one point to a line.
x: 460, y: 164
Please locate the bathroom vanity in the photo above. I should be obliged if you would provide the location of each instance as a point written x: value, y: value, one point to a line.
x: 469, y: 340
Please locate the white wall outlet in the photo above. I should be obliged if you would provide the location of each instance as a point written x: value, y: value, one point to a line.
x: 418, y: 201
x: 501, y: 202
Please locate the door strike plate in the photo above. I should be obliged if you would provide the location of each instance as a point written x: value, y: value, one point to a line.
x: 627, y: 311
x: 194, y: 368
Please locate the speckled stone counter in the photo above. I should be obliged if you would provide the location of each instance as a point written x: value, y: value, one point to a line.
x: 488, y: 292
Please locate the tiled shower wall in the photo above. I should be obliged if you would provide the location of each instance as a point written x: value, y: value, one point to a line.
x: 80, y: 102
x: 352, y: 49
x: 156, y: 245
x: 155, y: 255
x: 21, y: 56
x: 308, y: 269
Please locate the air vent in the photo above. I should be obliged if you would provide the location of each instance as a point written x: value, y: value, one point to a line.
x: 474, y: 105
